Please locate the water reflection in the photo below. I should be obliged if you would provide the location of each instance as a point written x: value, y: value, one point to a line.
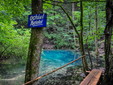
x: 19, y: 80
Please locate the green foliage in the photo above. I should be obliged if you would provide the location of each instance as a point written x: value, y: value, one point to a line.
x: 57, y: 21
x: 58, y: 30
x: 13, y: 21
x: 90, y: 31
x: 13, y: 41
x: 16, y: 41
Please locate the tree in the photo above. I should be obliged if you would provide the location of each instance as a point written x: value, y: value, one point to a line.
x: 84, y: 61
x: 79, y: 35
x: 96, y: 29
x: 35, y: 48
x: 108, y: 35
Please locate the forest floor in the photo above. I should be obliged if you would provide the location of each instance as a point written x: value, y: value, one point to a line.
x: 71, y: 76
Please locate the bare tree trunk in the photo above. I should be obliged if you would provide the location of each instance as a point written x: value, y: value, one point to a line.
x: 80, y: 36
x: 84, y: 61
x: 96, y: 33
x: 35, y: 48
x: 73, y: 18
x: 108, y: 35
x: 88, y: 49
x: 73, y: 9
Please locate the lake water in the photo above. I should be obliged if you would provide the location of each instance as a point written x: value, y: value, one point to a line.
x: 50, y: 60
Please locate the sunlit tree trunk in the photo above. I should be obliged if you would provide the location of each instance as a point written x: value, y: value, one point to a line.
x: 36, y: 40
x: 108, y: 35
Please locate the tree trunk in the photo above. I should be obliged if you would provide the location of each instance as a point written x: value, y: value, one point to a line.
x: 73, y: 18
x: 85, y: 65
x: 80, y: 36
x: 73, y: 9
x: 35, y: 48
x: 88, y: 44
x: 108, y: 34
x: 96, y: 33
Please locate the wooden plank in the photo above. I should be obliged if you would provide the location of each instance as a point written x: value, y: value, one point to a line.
x: 92, y: 78
x: 88, y: 78
x: 96, y: 78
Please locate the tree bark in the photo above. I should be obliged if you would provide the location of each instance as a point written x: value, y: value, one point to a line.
x: 96, y: 33
x: 88, y: 44
x: 73, y: 17
x: 80, y: 36
x: 35, y: 47
x: 84, y: 61
x: 108, y: 35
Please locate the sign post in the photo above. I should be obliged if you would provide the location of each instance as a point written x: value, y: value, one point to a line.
x: 37, y: 20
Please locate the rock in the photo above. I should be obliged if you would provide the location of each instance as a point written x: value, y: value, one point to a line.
x: 82, y: 75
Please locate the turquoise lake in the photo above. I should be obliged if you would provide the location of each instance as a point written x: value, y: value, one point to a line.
x: 50, y: 60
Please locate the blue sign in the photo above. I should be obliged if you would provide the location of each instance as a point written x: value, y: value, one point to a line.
x: 37, y: 20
